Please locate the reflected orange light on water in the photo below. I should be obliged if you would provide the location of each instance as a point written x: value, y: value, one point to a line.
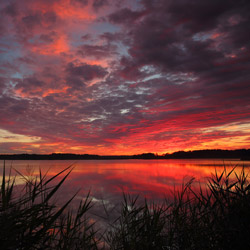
x: 154, y: 179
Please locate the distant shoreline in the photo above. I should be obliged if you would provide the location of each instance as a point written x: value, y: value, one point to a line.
x: 242, y: 154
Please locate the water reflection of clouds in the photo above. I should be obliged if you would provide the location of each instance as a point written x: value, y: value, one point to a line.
x: 106, y: 180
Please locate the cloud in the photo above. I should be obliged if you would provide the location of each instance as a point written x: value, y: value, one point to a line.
x: 85, y: 71
x: 178, y: 44
x: 125, y: 16
x: 30, y: 86
x: 82, y: 2
x: 129, y: 77
x: 2, y: 84
x: 97, y: 51
x: 97, y: 4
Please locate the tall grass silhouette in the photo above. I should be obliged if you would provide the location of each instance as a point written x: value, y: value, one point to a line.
x: 32, y: 221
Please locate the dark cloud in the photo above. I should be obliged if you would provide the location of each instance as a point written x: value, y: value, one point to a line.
x: 97, y: 4
x: 125, y: 16
x: 82, y: 2
x: 50, y: 17
x: 2, y: 84
x: 38, y: 19
x: 97, y: 51
x: 11, y: 9
x: 169, y: 34
x: 200, y: 16
x: 13, y: 113
x: 26, y: 60
x: 86, y: 37
x: 49, y: 37
x: 85, y: 71
x: 75, y: 83
x: 30, y: 86
x: 112, y: 37
x: 32, y: 21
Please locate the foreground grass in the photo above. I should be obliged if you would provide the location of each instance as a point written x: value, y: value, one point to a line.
x: 217, y: 217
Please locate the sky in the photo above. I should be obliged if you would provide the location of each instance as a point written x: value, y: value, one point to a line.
x: 118, y: 77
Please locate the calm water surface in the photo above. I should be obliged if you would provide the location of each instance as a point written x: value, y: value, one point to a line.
x: 107, y: 179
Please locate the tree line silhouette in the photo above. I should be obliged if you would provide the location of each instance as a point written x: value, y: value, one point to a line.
x: 243, y: 154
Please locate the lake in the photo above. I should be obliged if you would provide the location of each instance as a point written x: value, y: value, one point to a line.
x: 107, y: 179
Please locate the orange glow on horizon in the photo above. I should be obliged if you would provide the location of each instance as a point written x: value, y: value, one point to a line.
x: 160, y: 149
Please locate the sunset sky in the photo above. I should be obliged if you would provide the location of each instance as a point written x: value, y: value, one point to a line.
x: 124, y: 76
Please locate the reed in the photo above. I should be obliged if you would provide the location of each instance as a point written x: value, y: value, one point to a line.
x: 31, y: 220
x: 215, y: 217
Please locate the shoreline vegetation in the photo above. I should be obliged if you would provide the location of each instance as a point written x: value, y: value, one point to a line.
x: 217, y: 217
x: 242, y: 154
